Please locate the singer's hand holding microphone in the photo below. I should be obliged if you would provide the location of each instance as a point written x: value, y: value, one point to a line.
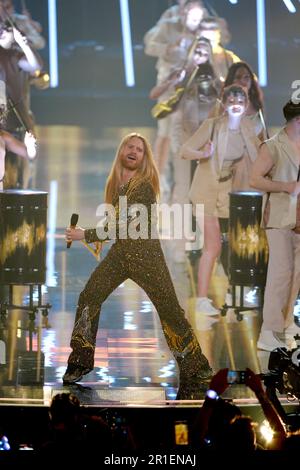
x: 74, y: 233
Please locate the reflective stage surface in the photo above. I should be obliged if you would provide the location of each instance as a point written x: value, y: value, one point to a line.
x: 133, y: 364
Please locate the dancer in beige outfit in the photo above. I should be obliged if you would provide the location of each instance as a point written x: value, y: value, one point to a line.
x: 276, y: 171
x: 226, y: 147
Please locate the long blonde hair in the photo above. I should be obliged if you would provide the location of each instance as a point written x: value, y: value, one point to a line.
x: 148, y: 170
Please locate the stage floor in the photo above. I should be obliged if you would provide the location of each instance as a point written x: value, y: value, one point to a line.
x: 133, y: 365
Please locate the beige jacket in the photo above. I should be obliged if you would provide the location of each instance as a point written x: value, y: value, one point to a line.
x: 162, y: 41
x: 207, y: 174
x: 282, y: 206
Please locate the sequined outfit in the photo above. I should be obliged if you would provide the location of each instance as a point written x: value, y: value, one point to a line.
x: 143, y: 261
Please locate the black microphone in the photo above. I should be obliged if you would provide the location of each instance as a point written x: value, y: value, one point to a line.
x: 73, y: 223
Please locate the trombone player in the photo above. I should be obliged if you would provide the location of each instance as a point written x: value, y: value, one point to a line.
x: 170, y: 41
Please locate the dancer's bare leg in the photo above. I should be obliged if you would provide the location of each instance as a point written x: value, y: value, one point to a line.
x: 210, y: 252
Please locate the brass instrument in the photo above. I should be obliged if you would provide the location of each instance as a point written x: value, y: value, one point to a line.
x: 40, y: 79
x: 163, y: 108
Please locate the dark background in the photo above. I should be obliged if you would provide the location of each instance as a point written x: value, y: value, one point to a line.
x: 92, y: 90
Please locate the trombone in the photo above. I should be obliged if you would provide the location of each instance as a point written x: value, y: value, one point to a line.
x: 163, y: 108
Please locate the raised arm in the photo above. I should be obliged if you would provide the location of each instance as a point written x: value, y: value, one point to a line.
x: 25, y: 150
x: 31, y: 62
x: 217, y: 386
x: 174, y: 79
x: 253, y: 381
x: 158, y: 90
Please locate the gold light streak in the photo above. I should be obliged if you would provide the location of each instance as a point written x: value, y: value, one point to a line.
x: 228, y: 341
x: 249, y: 334
x: 249, y: 242
x: 26, y: 236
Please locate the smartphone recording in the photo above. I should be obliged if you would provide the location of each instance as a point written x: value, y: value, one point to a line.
x: 236, y: 377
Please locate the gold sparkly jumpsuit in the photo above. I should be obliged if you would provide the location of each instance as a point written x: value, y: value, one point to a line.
x: 143, y: 261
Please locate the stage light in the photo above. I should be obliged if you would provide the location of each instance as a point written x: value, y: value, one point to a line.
x: 266, y: 431
x: 261, y: 42
x: 53, y: 54
x: 233, y: 2
x: 127, y: 43
x: 290, y: 6
x: 4, y: 444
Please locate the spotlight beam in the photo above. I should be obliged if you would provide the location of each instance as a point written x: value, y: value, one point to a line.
x: 290, y: 6
x: 127, y: 43
x: 261, y: 42
x: 53, y: 54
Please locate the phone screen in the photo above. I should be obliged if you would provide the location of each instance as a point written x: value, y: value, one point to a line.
x: 181, y: 433
x: 236, y: 377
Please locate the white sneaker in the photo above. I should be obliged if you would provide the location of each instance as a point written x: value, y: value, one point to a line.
x: 204, y: 305
x: 268, y: 341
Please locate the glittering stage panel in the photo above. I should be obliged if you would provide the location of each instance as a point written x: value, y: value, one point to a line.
x: 23, y: 227
x: 248, y: 245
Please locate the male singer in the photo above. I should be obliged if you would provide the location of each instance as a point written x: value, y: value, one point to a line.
x: 135, y: 176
